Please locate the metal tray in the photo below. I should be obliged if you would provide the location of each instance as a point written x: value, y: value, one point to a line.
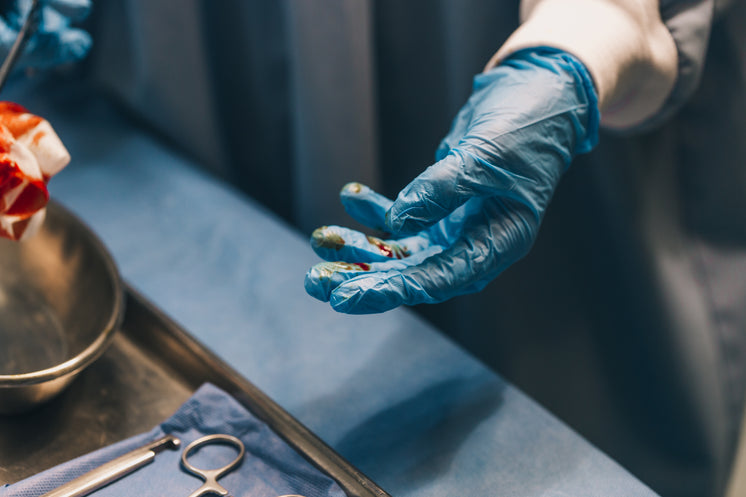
x: 150, y: 369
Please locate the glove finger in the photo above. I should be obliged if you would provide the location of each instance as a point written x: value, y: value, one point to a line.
x: 51, y: 21
x: 443, y: 187
x: 324, y: 277
x: 53, y: 48
x: 16, y: 13
x: 365, y: 205
x: 336, y: 243
x: 7, y: 36
x: 430, y: 282
x: 73, y: 10
x: 496, y: 238
x: 428, y: 198
x: 458, y: 128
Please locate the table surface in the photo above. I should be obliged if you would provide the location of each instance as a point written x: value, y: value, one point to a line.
x: 392, y: 395
x: 150, y: 370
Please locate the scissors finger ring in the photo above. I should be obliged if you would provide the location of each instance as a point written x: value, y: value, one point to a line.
x: 210, y: 476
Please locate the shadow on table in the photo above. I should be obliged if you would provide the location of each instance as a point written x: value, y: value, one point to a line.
x: 418, y: 438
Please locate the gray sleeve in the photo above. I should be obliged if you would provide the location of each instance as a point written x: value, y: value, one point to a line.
x: 689, y: 22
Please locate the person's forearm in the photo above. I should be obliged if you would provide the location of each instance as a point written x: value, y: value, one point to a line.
x: 628, y: 50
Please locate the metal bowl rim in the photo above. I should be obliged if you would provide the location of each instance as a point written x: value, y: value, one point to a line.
x: 99, y: 345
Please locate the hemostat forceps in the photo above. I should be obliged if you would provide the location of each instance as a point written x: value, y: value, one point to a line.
x: 210, y: 476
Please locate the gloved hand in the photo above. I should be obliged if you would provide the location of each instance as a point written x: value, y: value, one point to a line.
x: 477, y: 210
x: 54, y: 42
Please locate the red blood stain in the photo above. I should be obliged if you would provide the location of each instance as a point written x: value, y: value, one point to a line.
x: 17, y: 119
x: 37, y: 137
x: 382, y: 246
x: 12, y: 107
x: 6, y: 140
x: 33, y: 197
x: 392, y: 250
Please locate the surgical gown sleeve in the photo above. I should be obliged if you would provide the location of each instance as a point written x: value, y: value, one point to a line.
x: 645, y: 56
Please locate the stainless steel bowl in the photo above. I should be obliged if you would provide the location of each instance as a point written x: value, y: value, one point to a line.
x: 61, y: 301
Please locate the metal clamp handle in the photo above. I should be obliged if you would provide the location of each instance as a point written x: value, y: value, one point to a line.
x: 115, y: 469
x: 210, y: 476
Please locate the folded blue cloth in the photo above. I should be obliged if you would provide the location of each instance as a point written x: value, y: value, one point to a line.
x: 270, y: 467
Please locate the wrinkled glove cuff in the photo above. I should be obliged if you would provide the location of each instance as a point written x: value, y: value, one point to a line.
x: 556, y: 59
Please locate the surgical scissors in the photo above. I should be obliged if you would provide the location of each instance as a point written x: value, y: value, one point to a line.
x: 210, y: 476
x: 139, y: 457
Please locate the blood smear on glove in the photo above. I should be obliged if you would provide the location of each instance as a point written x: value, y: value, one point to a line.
x: 392, y: 250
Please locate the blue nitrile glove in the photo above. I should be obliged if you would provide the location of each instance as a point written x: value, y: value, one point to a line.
x: 478, y: 209
x: 54, y: 42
